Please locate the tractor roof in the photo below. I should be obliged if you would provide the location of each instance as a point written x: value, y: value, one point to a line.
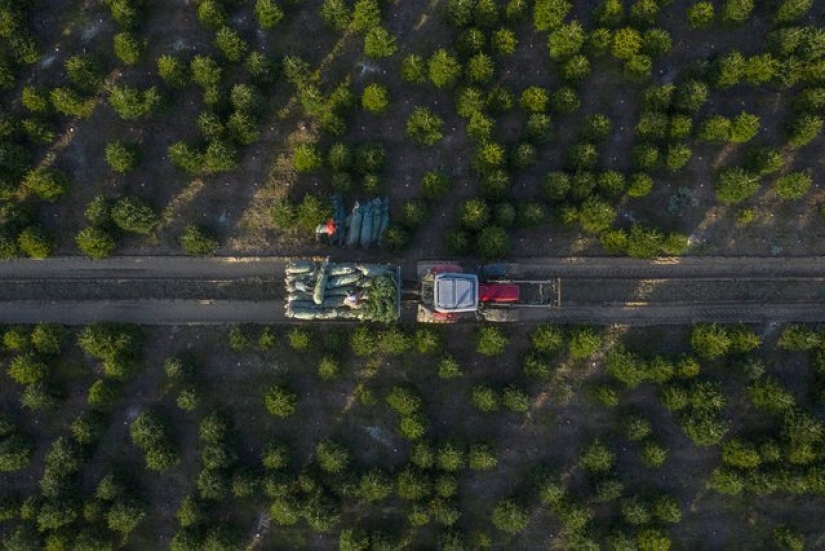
x: 456, y: 292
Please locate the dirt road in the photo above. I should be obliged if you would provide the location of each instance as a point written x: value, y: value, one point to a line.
x: 184, y: 290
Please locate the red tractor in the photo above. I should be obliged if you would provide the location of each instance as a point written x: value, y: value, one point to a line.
x: 449, y: 293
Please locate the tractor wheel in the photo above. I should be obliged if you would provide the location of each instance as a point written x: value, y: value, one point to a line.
x: 425, y: 315
x: 500, y: 315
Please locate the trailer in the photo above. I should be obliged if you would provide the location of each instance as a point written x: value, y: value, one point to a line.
x: 323, y: 290
x: 450, y: 293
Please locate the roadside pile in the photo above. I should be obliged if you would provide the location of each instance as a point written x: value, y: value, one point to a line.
x: 341, y: 291
x: 366, y: 224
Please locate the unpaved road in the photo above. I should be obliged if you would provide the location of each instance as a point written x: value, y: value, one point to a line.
x: 185, y: 290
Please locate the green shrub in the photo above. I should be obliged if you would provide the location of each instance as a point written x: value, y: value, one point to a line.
x: 515, y: 399
x: 491, y: 341
x: 198, y: 241
x: 652, y: 454
x: 434, y: 185
x: 134, y: 215
x: 492, y: 243
x: 35, y: 242
x: 311, y: 211
x: 374, y: 486
x: 792, y: 186
x: 96, y: 243
x: 536, y: 367
x: 332, y: 458
x: 299, y: 338
x: 700, y: 15
x: 413, y: 426
x: 173, y: 71
x: 549, y: 14
x: 769, y: 394
x: 128, y: 48
x: 379, y: 43
x: 374, y: 99
x: 132, y: 104
x: 510, y: 517
x: 803, y: 129
x: 424, y: 127
x: 449, y: 457
x: 443, y: 69
x: 27, y: 369
x: 280, y: 401
x: 307, y: 158
x: 449, y: 368
x: 485, y: 398
x: 597, y: 457
x: 504, y: 42
x: 414, y: 69
x: 48, y: 184
x: 328, y: 368
x: 122, y: 157
x: 734, y: 185
x: 736, y: 12
x: 404, y: 400
x: 584, y: 342
x: 268, y: 13
x: 596, y: 215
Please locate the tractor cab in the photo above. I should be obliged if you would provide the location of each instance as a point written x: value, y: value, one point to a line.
x: 454, y: 292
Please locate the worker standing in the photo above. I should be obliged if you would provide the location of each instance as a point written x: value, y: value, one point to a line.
x: 328, y: 229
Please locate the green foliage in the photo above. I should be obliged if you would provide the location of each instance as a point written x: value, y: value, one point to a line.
x: 307, y: 158
x: 627, y: 42
x: 510, y: 516
x: 134, y: 215
x: 596, y: 215
x: 449, y: 368
x: 443, y: 69
x: 328, y: 368
x: 15, y: 452
x: 549, y: 14
x: 597, y: 457
x: 414, y: 69
x: 379, y: 43
x: 769, y: 394
x: 803, y: 129
x: 652, y: 454
x: 268, y: 13
x: 197, y: 240
x: 424, y: 127
x: 131, y: 103
x: 566, y: 40
x: 35, y: 242
x: 48, y: 184
x: 485, y: 398
x: 173, y: 71
x: 124, y: 517
x: 68, y: 102
x: 491, y: 341
x: 434, y: 185
x: 404, y: 400
x: 230, y: 43
x: 792, y: 186
x: 122, y: 157
x: 584, y: 342
x: 127, y: 48
x: 280, y: 401
x: 151, y: 434
x: 84, y: 72
x: 374, y: 99
x: 311, y: 211
x: 27, y: 369
x: 784, y: 537
x: 504, y: 42
x: 798, y: 338
x: 700, y: 14
x: 299, y: 338
x: 332, y: 458
x: 734, y: 185
x: 736, y: 12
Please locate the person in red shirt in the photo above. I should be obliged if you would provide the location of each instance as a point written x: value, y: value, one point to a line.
x: 327, y: 229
